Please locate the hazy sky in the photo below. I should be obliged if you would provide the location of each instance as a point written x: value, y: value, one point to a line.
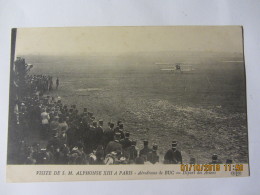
x: 117, y: 40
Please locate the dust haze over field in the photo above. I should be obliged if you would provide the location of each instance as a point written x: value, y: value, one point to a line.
x: 204, y: 110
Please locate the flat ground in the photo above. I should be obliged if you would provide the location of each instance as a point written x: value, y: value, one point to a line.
x: 204, y: 110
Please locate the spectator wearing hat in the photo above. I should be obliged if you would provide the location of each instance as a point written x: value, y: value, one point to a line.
x: 63, y: 135
x: 64, y: 109
x: 114, y: 146
x: 121, y: 130
x: 51, y: 114
x: 144, y: 152
x: 54, y: 126
x: 118, y: 123
x: 152, y: 156
x: 57, y: 83
x: 99, y: 132
x: 50, y: 83
x: 131, y: 153
x: 99, y: 155
x: 215, y: 159
x: 192, y: 160
x: 126, y: 142
x: 54, y: 143
x: 108, y: 135
x: 84, y: 113
x: 91, y: 138
x: 72, y: 135
x: 173, y: 156
x: 63, y: 126
x: 229, y: 161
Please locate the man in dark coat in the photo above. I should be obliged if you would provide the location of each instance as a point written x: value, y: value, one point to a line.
x: 99, y: 132
x: 121, y: 130
x: 126, y: 142
x: 131, y: 153
x: 215, y: 159
x: 108, y: 135
x: 139, y: 160
x: 57, y: 83
x: 153, y: 157
x: 173, y: 156
x: 145, y: 150
x: 92, y: 139
x: 114, y: 146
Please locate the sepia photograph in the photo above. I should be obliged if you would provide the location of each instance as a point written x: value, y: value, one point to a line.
x: 154, y: 95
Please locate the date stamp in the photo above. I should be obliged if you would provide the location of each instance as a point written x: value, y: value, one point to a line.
x: 212, y: 167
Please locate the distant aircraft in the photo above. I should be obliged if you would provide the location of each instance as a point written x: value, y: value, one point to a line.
x: 178, y: 67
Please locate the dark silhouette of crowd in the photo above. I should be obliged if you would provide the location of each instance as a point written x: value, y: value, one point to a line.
x: 72, y: 137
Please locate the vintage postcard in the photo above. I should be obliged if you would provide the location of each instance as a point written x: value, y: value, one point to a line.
x: 114, y: 103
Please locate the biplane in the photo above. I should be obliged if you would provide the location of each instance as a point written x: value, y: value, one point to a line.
x: 177, y: 67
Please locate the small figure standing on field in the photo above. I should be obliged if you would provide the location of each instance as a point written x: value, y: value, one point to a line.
x: 57, y: 83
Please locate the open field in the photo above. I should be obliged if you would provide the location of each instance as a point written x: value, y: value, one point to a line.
x: 204, y: 110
